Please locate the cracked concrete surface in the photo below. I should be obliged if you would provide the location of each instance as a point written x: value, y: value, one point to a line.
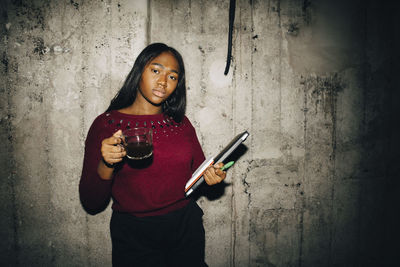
x: 314, y: 82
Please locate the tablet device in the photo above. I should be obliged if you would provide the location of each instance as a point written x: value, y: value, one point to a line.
x: 197, y: 177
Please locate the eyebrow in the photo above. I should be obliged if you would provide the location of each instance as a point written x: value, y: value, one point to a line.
x: 162, y: 66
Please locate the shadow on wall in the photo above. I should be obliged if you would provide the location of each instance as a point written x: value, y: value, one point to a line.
x: 217, y: 191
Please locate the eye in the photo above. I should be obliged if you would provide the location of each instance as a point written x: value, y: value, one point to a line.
x: 156, y: 71
x: 173, y: 78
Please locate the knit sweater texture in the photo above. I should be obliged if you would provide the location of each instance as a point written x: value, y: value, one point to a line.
x: 149, y: 187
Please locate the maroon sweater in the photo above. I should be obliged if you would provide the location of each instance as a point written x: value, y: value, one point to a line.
x: 155, y: 189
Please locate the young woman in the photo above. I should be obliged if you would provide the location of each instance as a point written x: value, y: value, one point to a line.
x: 152, y: 223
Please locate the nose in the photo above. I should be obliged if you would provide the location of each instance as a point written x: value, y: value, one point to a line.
x: 162, y: 80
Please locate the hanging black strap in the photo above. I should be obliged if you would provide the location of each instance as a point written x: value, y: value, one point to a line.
x: 231, y: 20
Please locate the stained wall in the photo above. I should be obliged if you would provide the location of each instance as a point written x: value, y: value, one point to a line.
x: 314, y: 82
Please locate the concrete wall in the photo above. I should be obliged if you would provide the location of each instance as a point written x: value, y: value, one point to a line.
x: 314, y: 82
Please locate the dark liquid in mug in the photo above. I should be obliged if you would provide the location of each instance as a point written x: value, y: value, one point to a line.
x: 139, y: 150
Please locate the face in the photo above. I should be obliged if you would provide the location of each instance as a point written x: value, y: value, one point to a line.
x: 159, y: 79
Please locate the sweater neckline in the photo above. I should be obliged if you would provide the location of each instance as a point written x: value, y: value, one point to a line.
x: 144, y: 117
x: 160, y: 123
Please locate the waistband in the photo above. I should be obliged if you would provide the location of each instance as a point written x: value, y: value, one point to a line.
x: 191, y: 206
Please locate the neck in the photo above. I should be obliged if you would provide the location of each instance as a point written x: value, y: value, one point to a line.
x: 142, y: 107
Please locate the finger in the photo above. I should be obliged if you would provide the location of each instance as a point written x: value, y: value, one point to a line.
x: 114, y: 157
x: 210, y: 176
x: 112, y: 140
x: 118, y: 134
x: 116, y: 149
x: 107, y: 151
x: 113, y: 161
x: 219, y: 165
x: 222, y: 176
x: 217, y: 174
x: 117, y: 159
x: 117, y: 155
x: 209, y: 180
x: 217, y: 168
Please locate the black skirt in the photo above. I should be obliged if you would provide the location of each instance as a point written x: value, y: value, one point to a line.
x: 174, y: 239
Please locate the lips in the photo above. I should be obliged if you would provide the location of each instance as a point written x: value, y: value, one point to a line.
x: 159, y: 92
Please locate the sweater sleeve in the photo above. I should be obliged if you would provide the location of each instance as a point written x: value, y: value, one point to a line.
x: 94, y: 192
x: 198, y: 154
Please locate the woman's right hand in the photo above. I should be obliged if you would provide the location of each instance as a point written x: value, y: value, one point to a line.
x: 111, y: 149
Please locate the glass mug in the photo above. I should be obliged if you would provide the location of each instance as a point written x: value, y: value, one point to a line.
x: 138, y: 142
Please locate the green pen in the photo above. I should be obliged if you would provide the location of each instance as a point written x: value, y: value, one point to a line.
x: 227, y: 166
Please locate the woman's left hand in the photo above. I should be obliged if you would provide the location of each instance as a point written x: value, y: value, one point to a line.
x: 213, y: 175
